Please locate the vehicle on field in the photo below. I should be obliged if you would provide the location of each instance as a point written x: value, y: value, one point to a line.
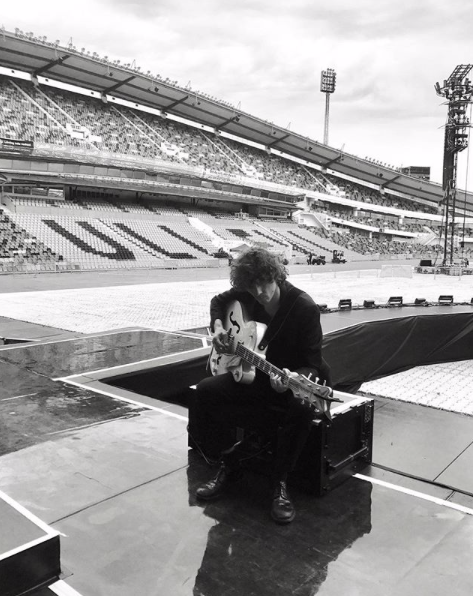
x: 338, y: 256
x: 315, y: 259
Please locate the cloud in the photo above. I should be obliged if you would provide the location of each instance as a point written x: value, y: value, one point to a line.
x: 268, y: 55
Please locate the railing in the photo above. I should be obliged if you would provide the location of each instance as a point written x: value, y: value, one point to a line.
x: 457, y: 270
x: 90, y: 265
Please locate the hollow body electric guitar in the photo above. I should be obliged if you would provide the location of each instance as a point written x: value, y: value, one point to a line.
x: 244, y: 357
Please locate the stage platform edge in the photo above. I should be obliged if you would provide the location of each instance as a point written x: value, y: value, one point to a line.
x: 29, y: 550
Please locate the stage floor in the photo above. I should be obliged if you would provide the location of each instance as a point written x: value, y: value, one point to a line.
x: 111, y: 471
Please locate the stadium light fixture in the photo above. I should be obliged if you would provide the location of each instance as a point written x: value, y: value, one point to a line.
x: 327, y: 85
x: 458, y: 91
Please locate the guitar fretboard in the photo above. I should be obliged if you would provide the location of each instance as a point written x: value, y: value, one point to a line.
x: 260, y: 363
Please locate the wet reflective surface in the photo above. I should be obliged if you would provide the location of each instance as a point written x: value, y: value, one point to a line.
x: 152, y: 537
x: 117, y: 479
x: 49, y: 408
x: 57, y: 359
x: 247, y: 554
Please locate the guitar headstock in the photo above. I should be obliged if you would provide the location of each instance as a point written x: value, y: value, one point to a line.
x: 318, y: 390
x: 315, y: 392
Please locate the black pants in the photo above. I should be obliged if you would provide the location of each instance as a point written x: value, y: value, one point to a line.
x: 221, y: 405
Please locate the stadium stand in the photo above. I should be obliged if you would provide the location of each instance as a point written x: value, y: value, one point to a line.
x: 65, y: 119
x: 99, y: 229
x: 18, y: 247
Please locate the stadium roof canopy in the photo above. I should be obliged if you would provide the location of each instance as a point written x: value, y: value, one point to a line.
x: 109, y: 79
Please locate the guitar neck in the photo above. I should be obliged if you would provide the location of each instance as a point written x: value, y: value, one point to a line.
x: 268, y: 368
x: 260, y: 363
x: 300, y: 390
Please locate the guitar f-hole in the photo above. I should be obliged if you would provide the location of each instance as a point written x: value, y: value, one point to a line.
x: 234, y: 322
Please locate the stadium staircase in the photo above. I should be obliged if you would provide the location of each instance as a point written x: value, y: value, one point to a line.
x: 311, y: 244
x: 143, y: 128
x: 185, y: 240
x: 285, y: 240
x: 428, y: 237
x: 146, y: 242
x: 141, y: 242
x: 271, y: 238
x: 329, y: 246
x: 226, y: 152
x: 320, y: 186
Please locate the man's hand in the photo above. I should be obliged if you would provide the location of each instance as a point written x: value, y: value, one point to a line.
x: 220, y: 339
x: 281, y: 384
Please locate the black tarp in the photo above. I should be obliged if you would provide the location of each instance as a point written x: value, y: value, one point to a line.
x: 372, y: 350
x: 356, y: 354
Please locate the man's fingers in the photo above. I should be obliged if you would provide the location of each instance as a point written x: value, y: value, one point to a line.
x: 220, y: 341
x: 277, y: 383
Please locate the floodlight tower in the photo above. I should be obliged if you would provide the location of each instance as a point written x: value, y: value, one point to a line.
x: 458, y: 91
x: 327, y: 86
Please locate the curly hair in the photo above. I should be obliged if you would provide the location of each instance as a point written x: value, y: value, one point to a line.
x: 256, y: 265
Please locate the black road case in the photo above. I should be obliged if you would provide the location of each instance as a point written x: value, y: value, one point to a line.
x: 336, y: 449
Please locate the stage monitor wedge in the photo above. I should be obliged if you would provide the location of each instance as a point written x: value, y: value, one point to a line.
x: 395, y: 301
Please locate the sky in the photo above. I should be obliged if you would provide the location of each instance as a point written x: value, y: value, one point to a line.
x: 266, y: 56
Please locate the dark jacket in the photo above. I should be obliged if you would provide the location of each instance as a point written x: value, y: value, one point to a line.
x: 297, y: 343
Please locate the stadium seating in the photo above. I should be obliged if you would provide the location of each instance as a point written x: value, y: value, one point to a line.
x: 19, y: 247
x: 62, y: 118
x: 100, y: 236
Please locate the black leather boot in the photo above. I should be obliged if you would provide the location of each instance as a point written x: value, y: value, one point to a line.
x: 230, y: 471
x: 282, y: 509
x: 215, y: 487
